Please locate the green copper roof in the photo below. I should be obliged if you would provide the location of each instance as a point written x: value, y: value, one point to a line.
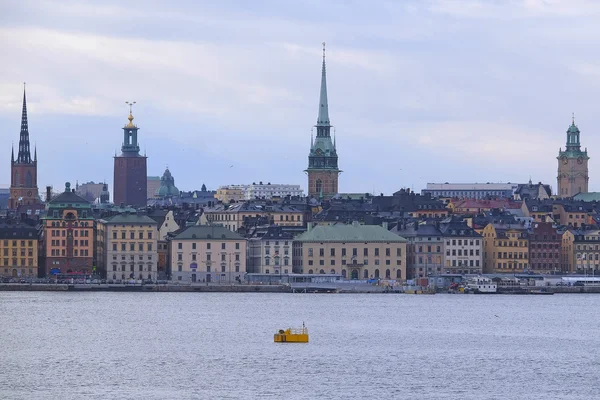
x: 130, y: 219
x: 206, y: 232
x: 349, y: 233
x: 167, y: 185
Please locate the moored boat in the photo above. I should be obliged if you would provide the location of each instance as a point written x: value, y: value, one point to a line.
x: 292, y: 335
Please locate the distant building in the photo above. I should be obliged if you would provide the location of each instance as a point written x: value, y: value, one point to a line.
x: 152, y: 185
x: 424, y: 252
x: 533, y: 191
x: 203, y: 253
x: 573, y: 173
x: 227, y: 194
x: 130, y: 247
x: 269, y: 190
x: 23, y: 170
x: 463, y: 247
x: 69, y: 234
x: 506, y: 248
x: 167, y: 186
x: 471, y: 190
x: 18, y: 250
x: 234, y: 216
x: 544, y: 248
x: 130, y: 178
x: 353, y: 251
x: 270, y: 251
x: 90, y: 190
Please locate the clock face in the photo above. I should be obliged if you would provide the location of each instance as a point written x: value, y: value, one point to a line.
x: 564, y: 160
x: 580, y: 160
x: 29, y: 193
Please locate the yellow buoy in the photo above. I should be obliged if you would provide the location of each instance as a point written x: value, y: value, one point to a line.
x: 292, y: 335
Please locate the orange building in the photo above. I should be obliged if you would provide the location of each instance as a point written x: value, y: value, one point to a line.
x: 69, y: 235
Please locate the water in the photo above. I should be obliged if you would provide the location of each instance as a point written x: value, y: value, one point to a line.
x: 220, y: 346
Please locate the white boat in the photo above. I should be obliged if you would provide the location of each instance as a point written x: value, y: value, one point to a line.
x: 481, y: 285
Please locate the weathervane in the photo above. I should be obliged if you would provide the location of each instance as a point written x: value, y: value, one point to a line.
x: 130, y: 104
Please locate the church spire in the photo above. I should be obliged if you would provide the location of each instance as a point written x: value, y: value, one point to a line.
x: 24, y: 156
x: 12, y: 153
x: 323, y: 118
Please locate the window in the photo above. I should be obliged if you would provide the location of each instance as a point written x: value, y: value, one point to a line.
x: 310, y: 251
x: 344, y: 252
x: 132, y: 235
x: 321, y: 262
x: 114, y: 234
x: 208, y: 257
x: 149, y: 235
x: 237, y: 246
x: 140, y: 246
x: 222, y: 257
x: 114, y: 247
x: 354, y: 251
x: 222, y: 246
x: 321, y: 252
x: 193, y: 246
x: 366, y: 252
x: 123, y: 247
x: 141, y: 236
x: 387, y: 252
x: 149, y: 246
x: 179, y: 246
x: 398, y: 252
x: 377, y: 252
x: 332, y: 252
x: 207, y: 246
x: 132, y: 246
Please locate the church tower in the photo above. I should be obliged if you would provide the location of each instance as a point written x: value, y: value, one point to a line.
x: 23, y: 170
x: 130, y: 179
x: 572, y: 165
x: 323, y: 168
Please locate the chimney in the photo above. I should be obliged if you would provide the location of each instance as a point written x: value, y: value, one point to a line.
x: 384, y: 224
x: 309, y: 227
x: 48, y: 193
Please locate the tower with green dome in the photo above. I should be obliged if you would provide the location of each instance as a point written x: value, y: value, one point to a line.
x: 323, y: 168
x: 572, y: 165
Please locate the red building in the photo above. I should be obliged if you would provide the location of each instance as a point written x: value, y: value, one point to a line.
x: 130, y: 179
x: 544, y: 248
x: 23, y: 170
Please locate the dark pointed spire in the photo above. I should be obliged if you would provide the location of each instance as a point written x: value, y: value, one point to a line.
x: 24, y: 156
x: 12, y: 153
x: 323, y: 118
x: 35, y: 153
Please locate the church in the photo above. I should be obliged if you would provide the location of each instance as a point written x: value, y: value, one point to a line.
x: 572, y: 165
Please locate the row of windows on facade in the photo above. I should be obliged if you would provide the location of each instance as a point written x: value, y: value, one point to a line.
x: 63, y: 242
x: 208, y: 257
x: 512, y: 255
x: 132, y: 235
x: 233, y: 217
x: 131, y: 276
x: 471, y: 263
x: 268, y: 243
x: 223, y: 245
x: 376, y: 274
x: 461, y: 252
x: 22, y: 243
x: 76, y: 253
x: 332, y: 262
x: 15, y: 262
x: 584, y: 256
x: 76, y: 233
x: 511, y: 244
x: 141, y: 258
x: 276, y: 260
x: 548, y: 255
x: 56, y: 214
x: 512, y: 265
x: 268, y: 251
x: 21, y: 251
x: 132, y: 267
x: 545, y: 266
x: 354, y: 252
x: 7, y: 271
x: 208, y: 268
x: 460, y: 242
x: 587, y: 247
x: 140, y: 246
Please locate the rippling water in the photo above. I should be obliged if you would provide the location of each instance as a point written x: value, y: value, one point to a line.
x: 213, y: 346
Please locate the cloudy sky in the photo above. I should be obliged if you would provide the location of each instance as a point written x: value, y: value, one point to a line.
x: 227, y: 92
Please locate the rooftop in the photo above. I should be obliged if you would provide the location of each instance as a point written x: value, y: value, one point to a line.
x: 349, y: 233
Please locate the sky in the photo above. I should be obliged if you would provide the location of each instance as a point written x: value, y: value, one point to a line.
x: 227, y: 92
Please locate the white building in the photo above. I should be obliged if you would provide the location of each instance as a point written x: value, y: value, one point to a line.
x: 471, y: 190
x: 270, y: 190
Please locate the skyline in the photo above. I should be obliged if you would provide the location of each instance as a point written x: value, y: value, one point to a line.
x: 432, y: 84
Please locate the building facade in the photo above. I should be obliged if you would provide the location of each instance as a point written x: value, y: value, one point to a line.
x: 152, y: 185
x: 357, y: 252
x: 234, y: 216
x: 69, y: 234
x: 270, y: 252
x: 130, y: 247
x: 506, y: 248
x: 23, y: 169
x: 572, y: 166
x: 424, y: 249
x: 323, y: 171
x: 231, y: 193
x: 90, y: 191
x: 270, y: 190
x: 18, y: 250
x: 544, y: 248
x: 463, y: 248
x: 471, y: 190
x: 130, y: 170
x: 207, y: 254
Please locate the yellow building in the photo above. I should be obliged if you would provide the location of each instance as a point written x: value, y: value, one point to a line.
x: 506, y: 248
x: 581, y: 251
x: 226, y: 194
x: 232, y: 216
x: 567, y: 249
x: 354, y: 251
x: 18, y: 251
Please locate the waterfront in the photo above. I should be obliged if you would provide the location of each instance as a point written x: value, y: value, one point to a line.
x: 218, y: 345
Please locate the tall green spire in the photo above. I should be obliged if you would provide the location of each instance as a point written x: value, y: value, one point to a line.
x: 323, y: 118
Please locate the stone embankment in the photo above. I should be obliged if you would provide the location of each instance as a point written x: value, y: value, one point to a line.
x: 145, y: 288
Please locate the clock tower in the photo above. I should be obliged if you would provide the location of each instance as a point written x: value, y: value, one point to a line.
x: 323, y: 168
x: 23, y: 170
x: 572, y: 165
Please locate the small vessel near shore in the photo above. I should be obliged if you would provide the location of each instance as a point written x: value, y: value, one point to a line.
x: 481, y: 285
x: 292, y: 335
